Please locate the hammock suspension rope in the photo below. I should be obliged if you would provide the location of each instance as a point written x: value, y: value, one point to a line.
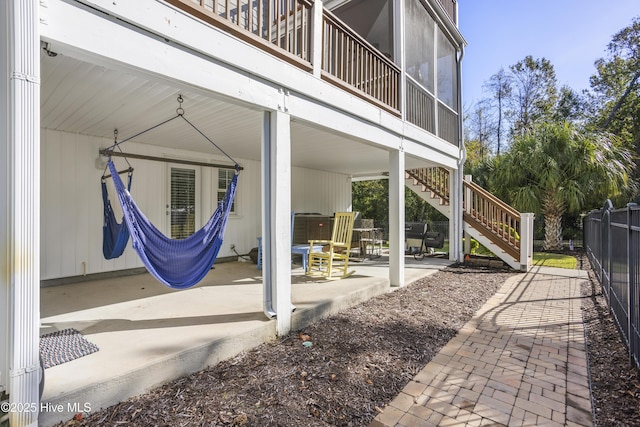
x: 177, y: 263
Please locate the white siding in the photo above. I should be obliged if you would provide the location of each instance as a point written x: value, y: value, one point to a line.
x: 314, y: 191
x: 71, y: 242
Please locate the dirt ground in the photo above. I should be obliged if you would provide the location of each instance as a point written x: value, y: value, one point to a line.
x: 342, y: 370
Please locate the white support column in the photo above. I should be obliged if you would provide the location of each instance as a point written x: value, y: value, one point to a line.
x: 276, y: 218
x: 20, y: 206
x: 396, y: 218
x: 467, y: 196
x: 460, y: 250
x: 456, y: 226
x: 316, y: 38
x: 5, y: 203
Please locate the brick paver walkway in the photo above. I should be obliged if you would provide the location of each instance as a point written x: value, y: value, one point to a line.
x: 520, y: 361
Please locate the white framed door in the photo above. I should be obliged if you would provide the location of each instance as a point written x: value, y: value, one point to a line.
x: 184, y: 200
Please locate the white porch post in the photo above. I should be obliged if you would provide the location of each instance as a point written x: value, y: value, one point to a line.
x: 20, y: 207
x: 276, y: 218
x: 456, y: 233
x: 5, y: 203
x: 466, y: 196
x: 467, y: 244
x: 526, y: 241
x: 456, y: 225
x: 399, y: 52
x: 396, y: 218
x: 316, y: 38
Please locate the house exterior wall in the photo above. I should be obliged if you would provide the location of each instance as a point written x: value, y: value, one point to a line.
x: 72, y: 216
x: 321, y: 192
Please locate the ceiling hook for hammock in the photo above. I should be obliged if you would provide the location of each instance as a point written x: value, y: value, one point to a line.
x: 107, y: 154
x: 116, y: 144
x: 180, y: 110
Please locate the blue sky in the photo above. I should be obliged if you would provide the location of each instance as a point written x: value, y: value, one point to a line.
x: 572, y: 34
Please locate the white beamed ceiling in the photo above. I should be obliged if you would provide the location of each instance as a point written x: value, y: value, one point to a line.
x: 83, y: 98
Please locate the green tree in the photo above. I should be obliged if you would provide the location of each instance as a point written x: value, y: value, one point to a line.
x: 477, y: 164
x: 499, y: 86
x: 616, y: 87
x: 480, y: 125
x: 534, y: 92
x: 555, y: 168
x: 570, y: 106
x: 518, y: 97
x: 416, y: 209
x: 371, y: 199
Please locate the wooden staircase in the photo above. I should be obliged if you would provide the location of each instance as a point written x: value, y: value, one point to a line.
x: 489, y: 220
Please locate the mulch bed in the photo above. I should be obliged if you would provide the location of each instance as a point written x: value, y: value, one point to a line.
x: 615, y: 384
x: 341, y: 371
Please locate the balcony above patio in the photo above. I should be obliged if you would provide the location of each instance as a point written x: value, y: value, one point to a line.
x: 312, y: 38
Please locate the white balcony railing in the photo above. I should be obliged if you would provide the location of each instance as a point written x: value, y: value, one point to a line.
x: 285, y: 29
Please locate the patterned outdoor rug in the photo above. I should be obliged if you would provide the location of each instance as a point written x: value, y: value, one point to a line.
x: 64, y: 346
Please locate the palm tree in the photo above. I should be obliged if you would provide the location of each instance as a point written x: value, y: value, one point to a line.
x: 555, y: 168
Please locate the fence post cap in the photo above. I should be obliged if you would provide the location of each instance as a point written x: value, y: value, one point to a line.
x: 608, y: 204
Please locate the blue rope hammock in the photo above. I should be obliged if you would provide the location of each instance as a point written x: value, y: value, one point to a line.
x: 179, y: 264
x: 115, y: 235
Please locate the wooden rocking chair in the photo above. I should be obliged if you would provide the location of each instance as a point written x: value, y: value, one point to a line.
x: 333, y: 261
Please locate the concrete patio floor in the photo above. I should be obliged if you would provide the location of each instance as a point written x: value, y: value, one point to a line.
x: 149, y: 334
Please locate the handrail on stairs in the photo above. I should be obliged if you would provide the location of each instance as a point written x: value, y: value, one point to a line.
x: 498, y: 221
x: 486, y: 211
x: 435, y: 180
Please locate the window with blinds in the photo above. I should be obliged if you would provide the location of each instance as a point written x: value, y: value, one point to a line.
x: 224, y: 178
x: 183, y: 202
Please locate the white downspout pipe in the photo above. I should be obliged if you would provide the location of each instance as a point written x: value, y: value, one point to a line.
x: 456, y: 211
x: 268, y: 304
